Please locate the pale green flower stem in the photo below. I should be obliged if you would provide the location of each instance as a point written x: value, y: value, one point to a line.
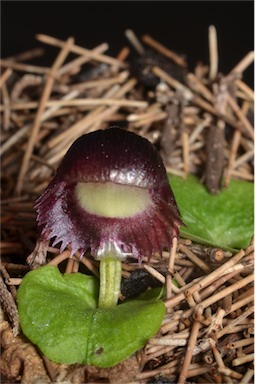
x: 110, y: 278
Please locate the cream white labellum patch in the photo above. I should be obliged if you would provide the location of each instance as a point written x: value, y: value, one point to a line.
x: 112, y: 200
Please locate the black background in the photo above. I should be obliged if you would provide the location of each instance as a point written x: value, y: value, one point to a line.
x: 180, y: 25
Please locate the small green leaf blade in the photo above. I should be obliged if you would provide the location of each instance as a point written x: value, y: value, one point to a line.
x: 120, y: 331
x: 51, y: 310
x: 224, y: 220
x: 59, y: 314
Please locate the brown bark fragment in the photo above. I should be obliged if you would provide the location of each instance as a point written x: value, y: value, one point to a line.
x: 215, y: 158
x: 19, y: 361
x: 9, y: 306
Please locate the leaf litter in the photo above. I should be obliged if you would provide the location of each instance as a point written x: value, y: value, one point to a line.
x: 201, y: 122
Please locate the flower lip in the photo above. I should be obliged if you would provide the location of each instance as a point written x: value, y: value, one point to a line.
x: 117, y: 157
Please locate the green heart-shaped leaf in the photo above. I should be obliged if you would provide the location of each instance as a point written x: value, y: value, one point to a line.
x: 59, y: 314
x: 224, y: 220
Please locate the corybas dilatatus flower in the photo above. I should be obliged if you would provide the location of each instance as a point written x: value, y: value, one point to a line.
x: 110, y: 195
